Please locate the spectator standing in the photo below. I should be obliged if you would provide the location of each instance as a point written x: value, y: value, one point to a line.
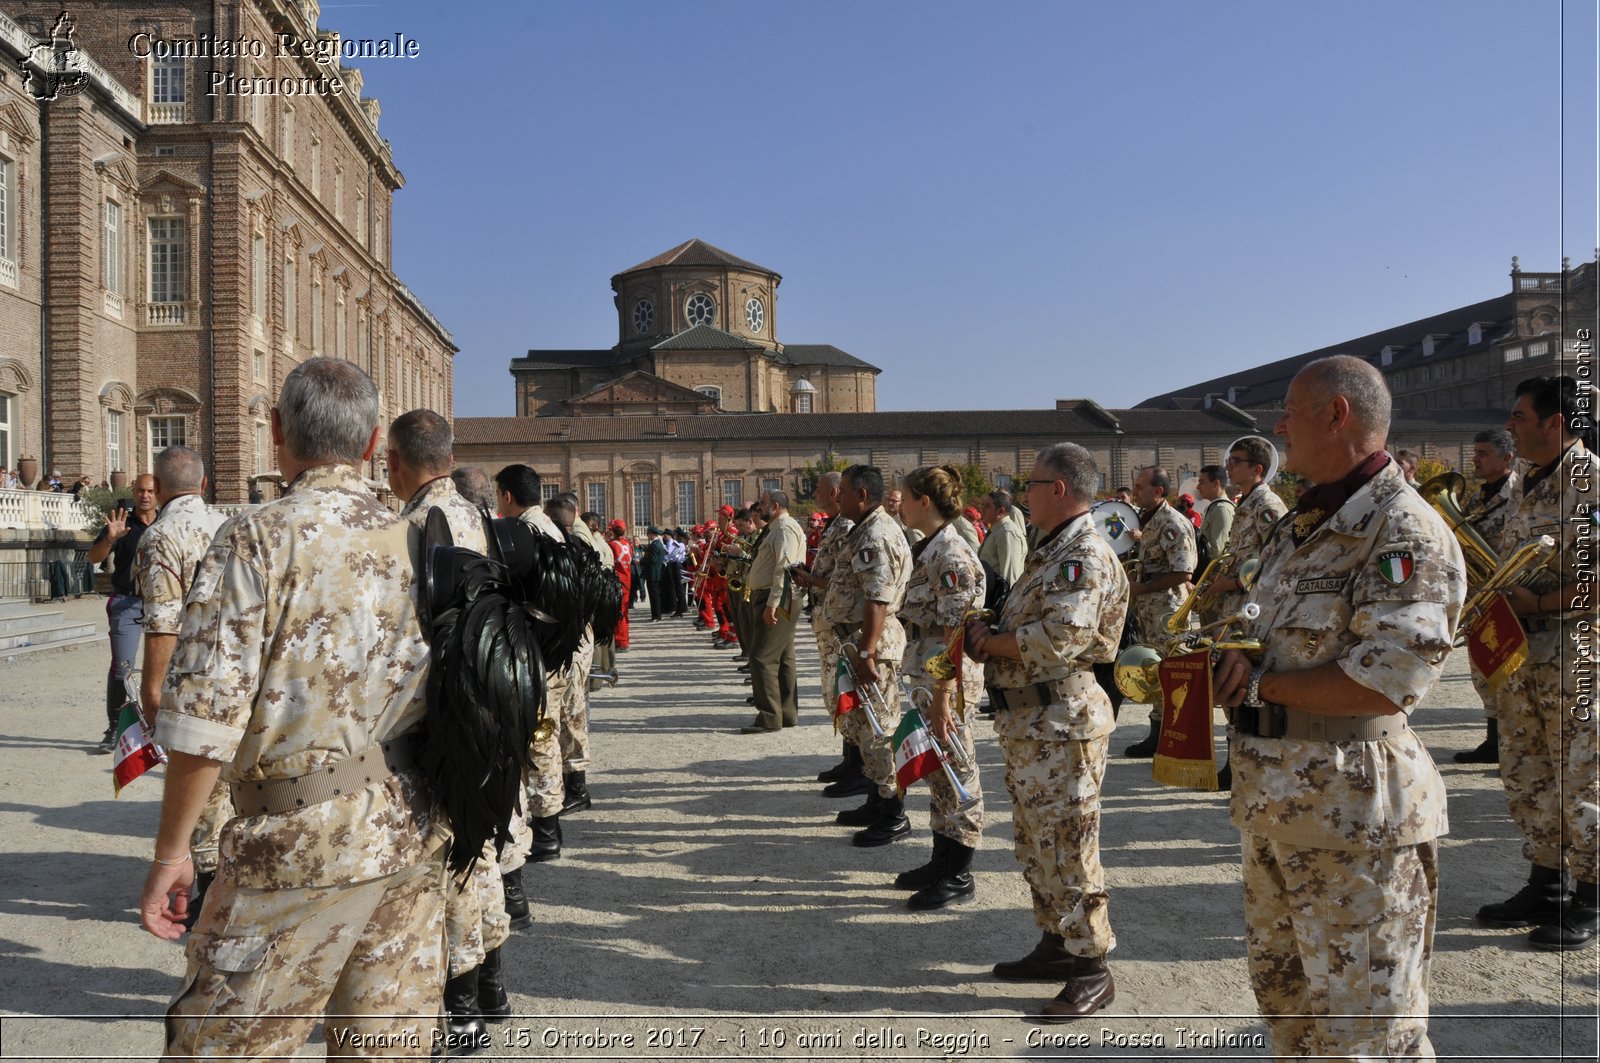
x: 119, y: 541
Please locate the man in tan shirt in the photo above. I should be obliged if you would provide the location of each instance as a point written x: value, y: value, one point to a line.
x: 772, y: 668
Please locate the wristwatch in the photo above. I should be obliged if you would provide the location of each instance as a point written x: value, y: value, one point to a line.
x: 1252, y: 692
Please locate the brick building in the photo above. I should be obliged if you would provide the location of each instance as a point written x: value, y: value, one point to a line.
x: 697, y: 332
x: 1469, y: 358
x: 190, y: 247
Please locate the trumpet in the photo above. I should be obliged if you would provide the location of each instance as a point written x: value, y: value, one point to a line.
x: 1444, y: 494
x: 949, y: 752
x: 1138, y: 667
x: 1525, y: 564
x: 875, y: 698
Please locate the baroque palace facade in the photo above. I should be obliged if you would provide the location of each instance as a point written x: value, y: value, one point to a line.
x: 168, y: 254
x: 699, y: 404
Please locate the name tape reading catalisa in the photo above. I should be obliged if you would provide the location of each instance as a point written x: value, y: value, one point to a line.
x: 327, y: 52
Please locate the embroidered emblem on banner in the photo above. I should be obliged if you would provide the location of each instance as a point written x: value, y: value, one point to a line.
x: 1396, y: 566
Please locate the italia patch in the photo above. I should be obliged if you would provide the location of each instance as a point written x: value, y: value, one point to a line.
x: 949, y: 581
x: 867, y: 555
x: 1396, y: 566
x: 1072, y: 571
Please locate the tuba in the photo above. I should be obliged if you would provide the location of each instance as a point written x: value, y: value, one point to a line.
x: 1444, y: 493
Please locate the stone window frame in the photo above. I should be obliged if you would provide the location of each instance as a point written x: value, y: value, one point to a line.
x: 710, y: 391
x: 589, y: 495
x: 692, y: 495
x: 691, y: 300
x: 16, y: 381
x: 116, y: 399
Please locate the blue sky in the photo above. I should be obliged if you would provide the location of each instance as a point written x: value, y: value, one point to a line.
x: 1000, y: 204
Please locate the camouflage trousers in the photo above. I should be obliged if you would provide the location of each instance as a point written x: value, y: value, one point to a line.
x: 1339, y: 943
x: 1055, y: 817
x: 544, y: 788
x: 264, y: 964
x: 877, y: 755
x: 475, y: 919
x: 575, y: 708
x: 207, y: 836
x: 1548, y: 756
x: 828, y: 654
x: 945, y: 814
x: 515, y: 854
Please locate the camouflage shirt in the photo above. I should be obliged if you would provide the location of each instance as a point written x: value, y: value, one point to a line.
x: 874, y: 564
x: 169, y: 552
x: 466, y: 523
x: 946, y: 582
x: 1490, y: 515
x: 1259, y: 511
x: 1067, y: 610
x: 300, y: 647
x: 1377, y: 588
x: 1166, y: 545
x: 822, y: 566
x: 1562, y: 506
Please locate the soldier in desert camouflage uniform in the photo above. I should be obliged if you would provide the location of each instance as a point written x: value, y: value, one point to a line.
x: 1548, y: 756
x: 1259, y: 509
x: 1487, y: 509
x: 946, y: 584
x: 574, y: 708
x: 863, y: 596
x: 1063, y: 615
x: 1167, y: 559
x: 846, y: 778
x: 1337, y: 800
x: 476, y: 920
x: 169, y: 552
x: 517, y: 489
x: 300, y: 672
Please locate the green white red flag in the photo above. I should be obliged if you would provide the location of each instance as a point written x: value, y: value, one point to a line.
x: 849, y: 697
x: 915, y: 754
x: 136, y: 751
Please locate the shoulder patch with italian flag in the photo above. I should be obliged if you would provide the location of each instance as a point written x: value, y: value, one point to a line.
x: 1396, y: 566
x: 1072, y: 571
x: 949, y: 581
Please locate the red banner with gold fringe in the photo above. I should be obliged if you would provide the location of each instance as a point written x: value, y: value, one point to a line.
x: 1496, y: 643
x: 1183, y: 757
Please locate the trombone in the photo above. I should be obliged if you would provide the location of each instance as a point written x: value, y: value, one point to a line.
x: 948, y: 752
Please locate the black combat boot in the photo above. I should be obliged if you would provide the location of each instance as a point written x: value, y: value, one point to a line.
x: 577, y: 793
x: 954, y: 883
x: 492, y: 1000
x: 1488, y: 751
x: 464, y: 1031
x: 854, y: 781
x: 890, y: 824
x: 197, y: 896
x: 1048, y: 962
x: 1089, y: 988
x: 1537, y: 903
x: 546, y: 839
x: 863, y: 814
x: 839, y: 770
x: 116, y: 697
x: 1146, y: 748
x: 1577, y: 924
x: 920, y: 878
x: 517, y: 901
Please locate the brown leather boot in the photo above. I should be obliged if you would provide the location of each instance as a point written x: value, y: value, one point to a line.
x: 1088, y: 989
x: 1048, y: 962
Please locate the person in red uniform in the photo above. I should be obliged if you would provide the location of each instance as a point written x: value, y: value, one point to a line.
x: 622, y: 550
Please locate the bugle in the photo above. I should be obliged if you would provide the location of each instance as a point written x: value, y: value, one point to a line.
x: 870, y: 692
x: 1526, y: 563
x: 948, y: 752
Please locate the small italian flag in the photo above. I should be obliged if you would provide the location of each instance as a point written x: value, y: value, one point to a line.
x: 136, y: 752
x: 849, y: 697
x: 915, y: 755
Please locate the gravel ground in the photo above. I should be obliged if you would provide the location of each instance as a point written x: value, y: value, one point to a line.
x: 707, y: 907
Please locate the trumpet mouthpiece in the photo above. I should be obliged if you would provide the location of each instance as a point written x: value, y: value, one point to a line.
x: 1250, y: 611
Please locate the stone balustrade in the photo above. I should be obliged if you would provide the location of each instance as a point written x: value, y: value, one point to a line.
x: 45, y: 511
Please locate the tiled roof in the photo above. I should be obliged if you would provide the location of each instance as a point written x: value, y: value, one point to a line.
x: 822, y: 354
x: 569, y: 359
x: 695, y: 253
x: 1269, y: 383
x: 705, y: 338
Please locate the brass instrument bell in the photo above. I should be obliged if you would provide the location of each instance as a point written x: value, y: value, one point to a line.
x: 1445, y: 494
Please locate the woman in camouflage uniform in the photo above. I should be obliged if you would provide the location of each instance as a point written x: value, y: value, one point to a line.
x: 946, y: 582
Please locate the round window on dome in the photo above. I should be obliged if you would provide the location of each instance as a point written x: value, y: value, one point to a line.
x: 701, y: 309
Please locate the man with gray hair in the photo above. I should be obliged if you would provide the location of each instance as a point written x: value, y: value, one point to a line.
x: 300, y: 677
x: 1168, y: 556
x: 1005, y: 548
x: 169, y: 552
x: 1338, y: 804
x: 473, y: 484
x: 1054, y: 721
x: 1494, y: 456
